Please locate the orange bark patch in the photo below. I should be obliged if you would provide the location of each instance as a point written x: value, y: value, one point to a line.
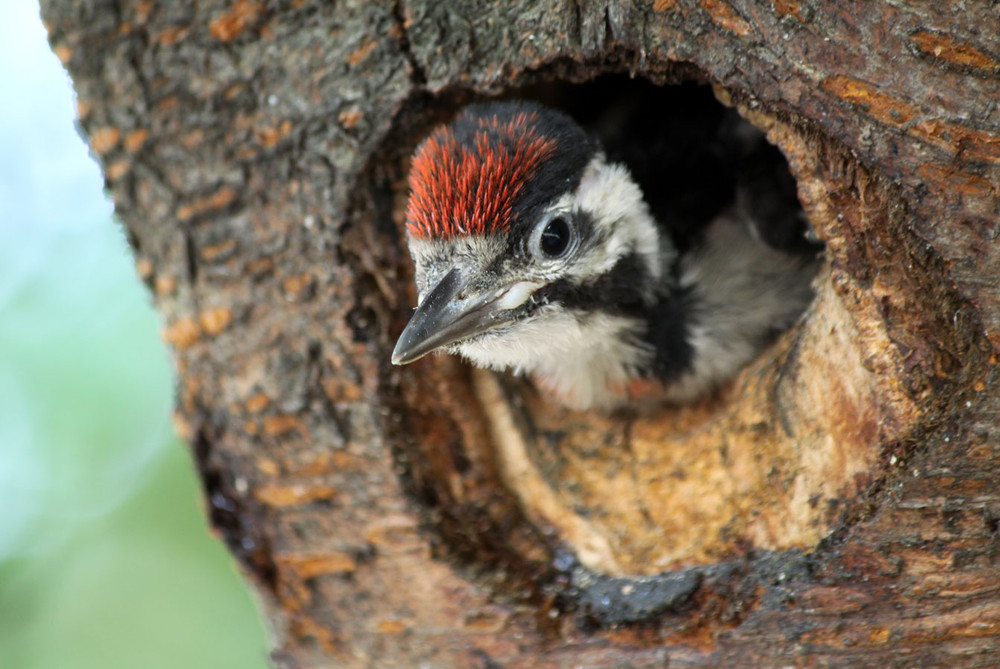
x: 726, y: 17
x: 349, y: 118
x: 361, y: 52
x: 135, y: 139
x: 393, y: 531
x: 63, y: 53
x: 142, y: 10
x: 839, y: 601
x: 117, y: 169
x: 82, y: 108
x: 171, y: 35
x: 234, y: 90
x: 166, y: 104
x: 270, y: 135
x: 258, y: 403
x: 165, y: 284
x: 275, y: 426
x: 268, y: 467
x: 242, y: 15
x: 182, y: 333
x: 144, y: 267
x: 192, y: 139
x: 293, y: 495
x: 948, y: 49
x: 310, y: 566
x: 214, y: 321
x: 875, y: 103
x: 103, y: 140
x: 266, y: 31
x: 260, y: 266
x: 788, y: 7
x: 181, y: 426
x: 341, y: 390
x: 221, y: 198
x: 297, y: 287
x: 971, y: 144
x: 393, y: 627
x: 979, y: 145
x: 663, y: 5
x: 217, y: 251
x: 954, y: 180
x: 484, y: 622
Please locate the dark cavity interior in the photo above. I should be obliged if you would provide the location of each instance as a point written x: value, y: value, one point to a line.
x: 692, y: 156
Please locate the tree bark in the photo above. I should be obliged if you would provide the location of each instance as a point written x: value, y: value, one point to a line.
x: 835, y: 506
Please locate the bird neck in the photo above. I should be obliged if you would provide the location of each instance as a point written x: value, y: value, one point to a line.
x: 625, y: 332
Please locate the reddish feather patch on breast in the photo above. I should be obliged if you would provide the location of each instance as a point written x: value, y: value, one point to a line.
x: 470, y: 187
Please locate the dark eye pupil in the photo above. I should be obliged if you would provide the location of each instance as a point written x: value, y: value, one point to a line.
x: 555, y: 237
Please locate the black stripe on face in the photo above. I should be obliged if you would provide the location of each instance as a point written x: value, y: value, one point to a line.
x: 618, y: 292
x: 624, y: 291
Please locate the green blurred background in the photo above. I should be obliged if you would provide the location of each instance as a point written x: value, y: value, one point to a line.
x: 105, y: 557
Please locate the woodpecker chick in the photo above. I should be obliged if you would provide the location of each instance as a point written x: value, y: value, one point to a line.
x: 536, y: 254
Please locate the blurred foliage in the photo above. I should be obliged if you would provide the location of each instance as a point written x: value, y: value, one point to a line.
x: 105, y: 557
x: 105, y: 560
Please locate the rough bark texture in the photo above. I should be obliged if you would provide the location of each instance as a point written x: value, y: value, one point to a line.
x: 836, y: 506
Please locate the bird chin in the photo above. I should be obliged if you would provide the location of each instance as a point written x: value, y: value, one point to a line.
x: 482, y: 349
x: 584, y: 361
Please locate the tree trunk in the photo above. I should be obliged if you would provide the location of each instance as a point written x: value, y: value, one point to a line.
x: 835, y: 506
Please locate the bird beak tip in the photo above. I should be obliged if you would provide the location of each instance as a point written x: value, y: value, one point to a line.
x: 442, y: 319
x: 399, y: 357
x: 408, y: 349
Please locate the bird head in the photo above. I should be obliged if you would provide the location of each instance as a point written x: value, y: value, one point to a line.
x: 519, y: 228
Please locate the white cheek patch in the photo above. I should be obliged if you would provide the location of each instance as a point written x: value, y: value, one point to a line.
x: 608, y: 192
x: 580, y: 357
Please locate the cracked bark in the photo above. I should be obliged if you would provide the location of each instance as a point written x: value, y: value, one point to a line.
x: 256, y: 153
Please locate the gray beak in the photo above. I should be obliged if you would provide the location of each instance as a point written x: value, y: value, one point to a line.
x: 445, y: 318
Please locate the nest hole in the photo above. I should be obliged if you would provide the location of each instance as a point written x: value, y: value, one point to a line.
x: 771, y: 462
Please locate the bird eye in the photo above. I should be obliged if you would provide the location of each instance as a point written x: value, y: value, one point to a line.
x: 555, y: 237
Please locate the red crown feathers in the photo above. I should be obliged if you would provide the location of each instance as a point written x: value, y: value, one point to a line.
x: 469, y: 188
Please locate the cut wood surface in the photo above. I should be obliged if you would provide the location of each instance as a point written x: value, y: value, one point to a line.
x: 836, y: 505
